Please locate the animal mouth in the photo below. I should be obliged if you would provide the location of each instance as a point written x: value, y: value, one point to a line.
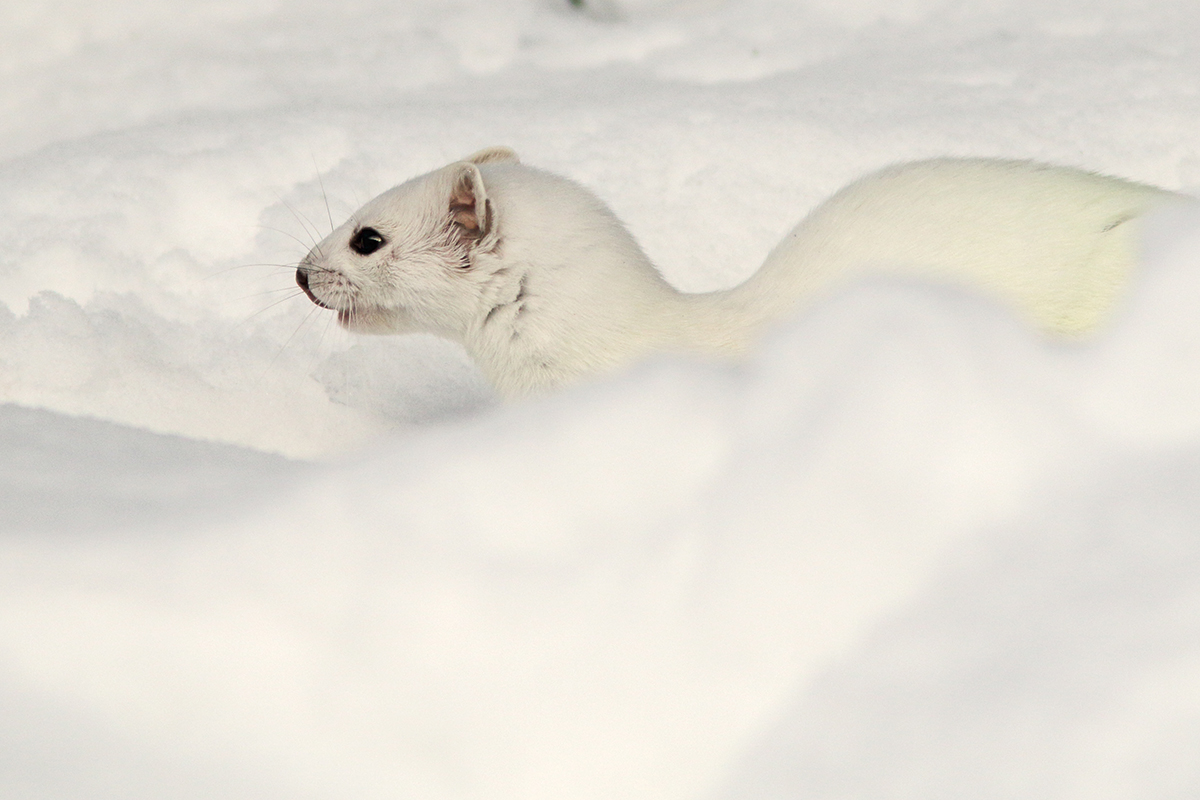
x: 302, y: 282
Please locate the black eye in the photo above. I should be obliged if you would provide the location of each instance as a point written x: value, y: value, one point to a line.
x: 366, y: 241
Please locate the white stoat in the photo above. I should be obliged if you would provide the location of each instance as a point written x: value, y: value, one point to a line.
x: 542, y: 284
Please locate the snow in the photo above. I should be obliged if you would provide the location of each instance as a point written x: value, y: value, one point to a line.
x: 907, y: 549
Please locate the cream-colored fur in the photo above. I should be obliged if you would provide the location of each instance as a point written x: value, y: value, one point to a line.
x: 542, y: 284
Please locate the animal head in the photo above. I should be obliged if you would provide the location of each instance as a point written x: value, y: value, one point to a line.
x: 410, y: 259
x: 528, y: 270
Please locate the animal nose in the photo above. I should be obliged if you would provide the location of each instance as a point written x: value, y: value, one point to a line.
x: 302, y: 282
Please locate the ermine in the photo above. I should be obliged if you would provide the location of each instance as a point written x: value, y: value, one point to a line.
x: 542, y: 284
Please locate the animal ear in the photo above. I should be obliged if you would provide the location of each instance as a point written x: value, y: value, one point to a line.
x: 468, y: 201
x: 494, y: 155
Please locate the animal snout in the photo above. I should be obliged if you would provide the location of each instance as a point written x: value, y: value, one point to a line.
x: 302, y: 282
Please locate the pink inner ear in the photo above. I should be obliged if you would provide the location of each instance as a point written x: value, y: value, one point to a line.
x: 462, y: 205
x: 465, y: 216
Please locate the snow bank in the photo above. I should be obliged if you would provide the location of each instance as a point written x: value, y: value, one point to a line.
x: 906, y: 550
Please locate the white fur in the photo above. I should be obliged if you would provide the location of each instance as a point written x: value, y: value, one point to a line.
x: 542, y: 284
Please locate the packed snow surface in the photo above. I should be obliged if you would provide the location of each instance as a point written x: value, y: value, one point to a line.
x: 907, y: 549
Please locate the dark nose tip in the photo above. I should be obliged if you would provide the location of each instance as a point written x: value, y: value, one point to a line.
x: 302, y: 282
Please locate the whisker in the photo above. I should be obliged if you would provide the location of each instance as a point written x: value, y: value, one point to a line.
x: 317, y: 237
x: 247, y: 266
x: 293, y: 236
x: 304, y: 221
x: 295, y: 293
x: 265, y: 292
x: 288, y: 340
x: 321, y: 340
x: 324, y: 196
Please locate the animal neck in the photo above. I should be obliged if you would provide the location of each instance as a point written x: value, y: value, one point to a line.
x: 557, y: 319
x: 570, y: 292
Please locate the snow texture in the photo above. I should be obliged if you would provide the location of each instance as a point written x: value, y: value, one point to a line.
x: 908, y: 549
